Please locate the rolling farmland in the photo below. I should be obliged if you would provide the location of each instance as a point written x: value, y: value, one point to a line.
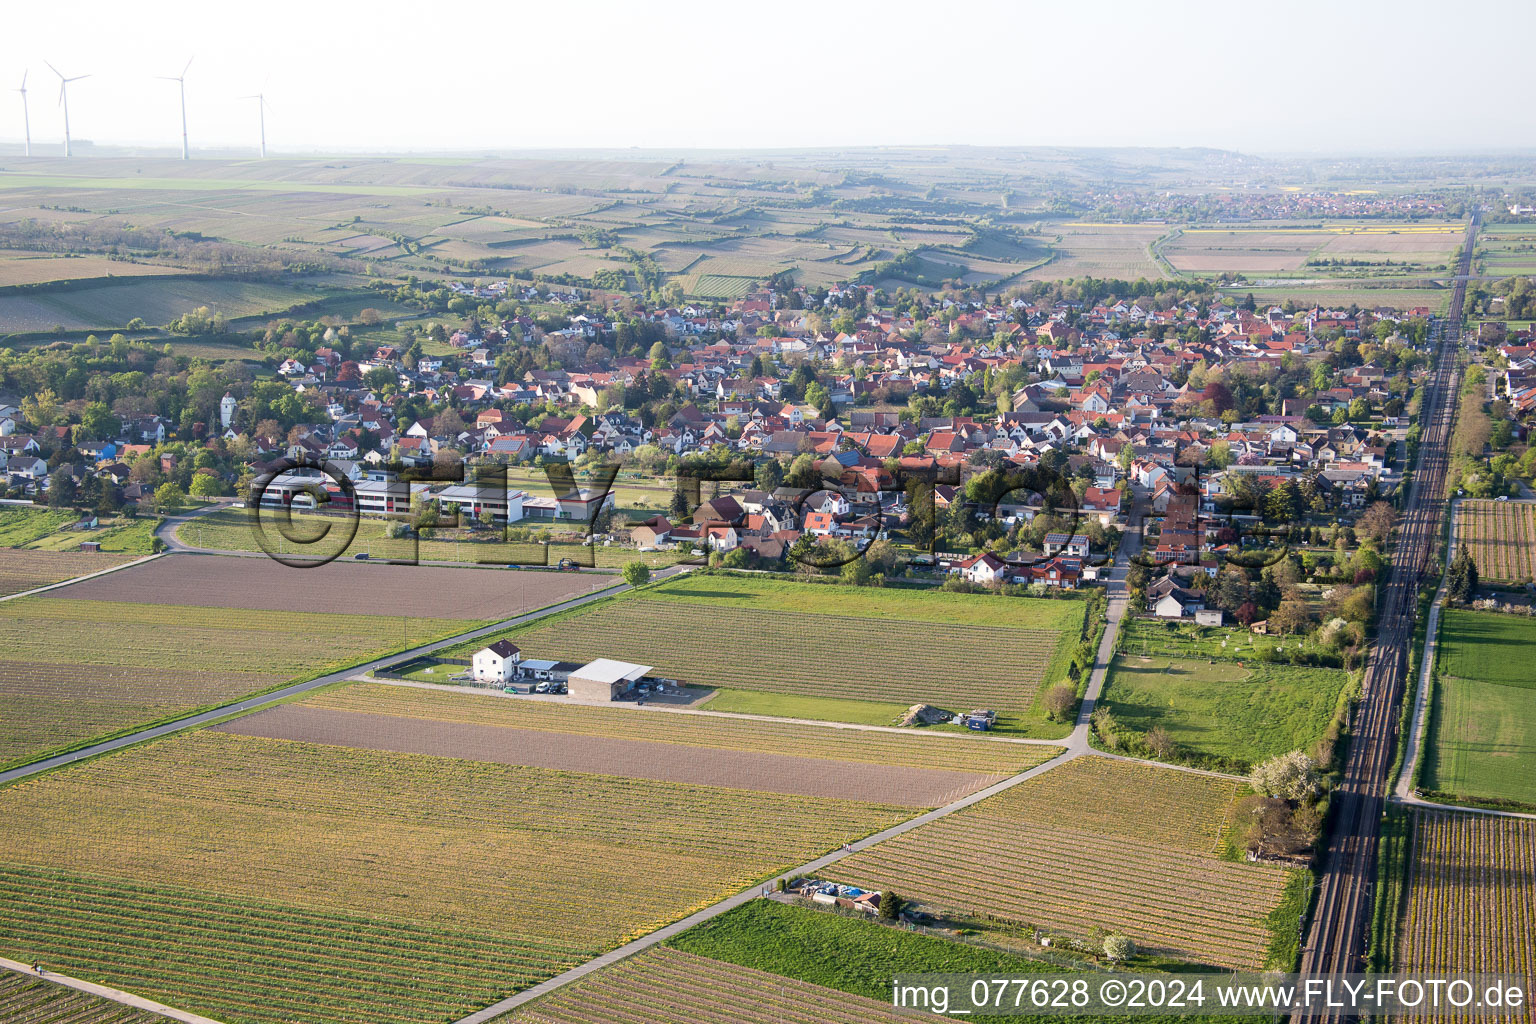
x: 1094, y: 842
x: 375, y: 840
x: 28, y: 1000
x: 669, y: 985
x: 1470, y: 893
x: 74, y: 670
x: 1501, y: 536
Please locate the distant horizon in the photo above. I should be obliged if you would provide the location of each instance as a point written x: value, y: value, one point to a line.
x: 1306, y: 76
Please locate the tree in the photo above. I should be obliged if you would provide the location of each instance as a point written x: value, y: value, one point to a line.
x: 1462, y: 578
x: 1118, y: 947
x: 769, y: 475
x: 1060, y: 702
x: 637, y: 574
x: 206, y: 485
x: 1377, y: 521
x: 1292, y: 776
x: 169, y: 497
x: 1160, y: 743
x: 1293, y: 616
x: 890, y: 906
x: 679, y: 508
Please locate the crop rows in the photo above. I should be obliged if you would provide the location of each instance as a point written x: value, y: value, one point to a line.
x: 808, y: 654
x: 73, y: 670
x: 1471, y: 897
x: 252, y: 961
x: 669, y: 986
x: 1198, y: 908
x: 1095, y: 842
x: 523, y: 851
x: 864, y: 747
x: 25, y: 570
x: 28, y: 1000
x: 1501, y: 537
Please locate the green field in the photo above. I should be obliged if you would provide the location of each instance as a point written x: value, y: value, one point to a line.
x: 1216, y: 709
x: 828, y: 652
x: 1482, y: 726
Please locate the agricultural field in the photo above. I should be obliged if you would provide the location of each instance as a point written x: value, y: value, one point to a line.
x: 305, y: 855
x: 1095, y: 842
x: 812, y: 641
x: 21, y: 525
x: 1341, y: 294
x: 1285, y: 249
x: 1505, y: 250
x: 117, y: 535
x: 1482, y: 724
x: 27, y: 570
x: 1471, y: 888
x: 1100, y: 250
x: 385, y: 592
x: 24, y: 268
x: 28, y: 1000
x: 670, y: 985
x: 1501, y: 536
x: 106, y: 306
x: 74, y: 670
x: 306, y: 536
x: 912, y: 771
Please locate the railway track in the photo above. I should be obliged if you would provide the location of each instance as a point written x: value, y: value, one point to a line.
x: 1336, y: 942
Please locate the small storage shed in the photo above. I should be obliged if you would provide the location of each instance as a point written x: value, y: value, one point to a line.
x: 604, y: 679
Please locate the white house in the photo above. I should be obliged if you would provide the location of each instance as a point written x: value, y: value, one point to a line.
x: 1075, y: 546
x: 982, y: 569
x: 496, y: 663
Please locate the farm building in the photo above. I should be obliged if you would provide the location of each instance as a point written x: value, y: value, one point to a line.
x: 604, y: 679
x: 496, y: 663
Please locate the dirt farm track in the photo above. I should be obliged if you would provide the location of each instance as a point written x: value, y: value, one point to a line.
x: 603, y: 755
x: 352, y: 588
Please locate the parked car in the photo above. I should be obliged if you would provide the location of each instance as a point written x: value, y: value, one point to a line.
x: 361, y: 556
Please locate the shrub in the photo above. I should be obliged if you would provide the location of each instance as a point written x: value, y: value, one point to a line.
x: 1119, y: 947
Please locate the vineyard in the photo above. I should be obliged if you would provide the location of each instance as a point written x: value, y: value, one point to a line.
x: 1095, y: 842
x: 669, y: 986
x: 520, y: 853
x: 1471, y: 894
x: 28, y: 1000
x: 73, y: 670
x: 251, y: 961
x: 1501, y: 535
x: 27, y: 570
x: 808, y: 653
x: 917, y: 750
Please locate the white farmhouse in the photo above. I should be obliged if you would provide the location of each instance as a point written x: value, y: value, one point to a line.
x: 496, y: 663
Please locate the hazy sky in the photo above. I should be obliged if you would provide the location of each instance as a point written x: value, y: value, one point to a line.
x: 1261, y: 77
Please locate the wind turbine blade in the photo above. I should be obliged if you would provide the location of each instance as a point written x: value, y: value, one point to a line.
x: 23, y: 82
x: 54, y: 69
x: 189, y: 64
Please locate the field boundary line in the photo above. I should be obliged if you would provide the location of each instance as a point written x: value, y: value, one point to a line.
x: 1431, y: 805
x: 81, y: 579
x: 116, y: 995
x: 629, y: 949
x: 960, y: 737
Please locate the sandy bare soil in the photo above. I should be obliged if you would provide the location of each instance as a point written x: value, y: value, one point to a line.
x: 664, y: 762
x: 349, y: 587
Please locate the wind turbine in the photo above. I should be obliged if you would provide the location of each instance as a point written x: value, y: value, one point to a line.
x: 181, y: 83
x: 261, y: 111
x: 26, y: 115
x: 64, y: 100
